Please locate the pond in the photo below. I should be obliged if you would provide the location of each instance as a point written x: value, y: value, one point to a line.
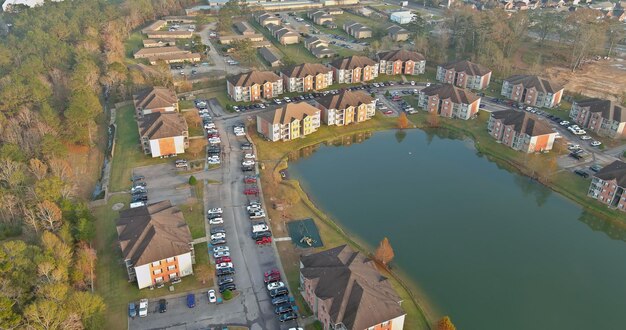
x: 490, y: 248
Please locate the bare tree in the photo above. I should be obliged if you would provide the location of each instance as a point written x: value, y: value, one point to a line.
x: 384, y: 253
x: 38, y: 168
x: 49, y: 215
x: 9, y: 206
x: 30, y: 218
x: 11, y: 173
x: 61, y: 168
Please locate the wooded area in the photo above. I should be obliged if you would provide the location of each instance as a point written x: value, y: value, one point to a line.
x: 55, y: 64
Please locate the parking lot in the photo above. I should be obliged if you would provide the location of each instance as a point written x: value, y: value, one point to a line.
x: 311, y: 29
x: 163, y: 183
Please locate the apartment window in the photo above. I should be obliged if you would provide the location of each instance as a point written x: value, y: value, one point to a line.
x: 172, y: 267
x: 158, y: 279
x: 385, y: 323
x: 170, y: 259
x: 173, y: 276
x: 157, y: 272
x: 156, y: 263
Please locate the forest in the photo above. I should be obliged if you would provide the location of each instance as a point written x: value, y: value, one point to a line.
x: 59, y: 64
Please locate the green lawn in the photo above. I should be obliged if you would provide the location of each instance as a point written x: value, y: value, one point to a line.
x: 133, y: 44
x: 194, y: 212
x: 111, y: 278
x: 296, y: 52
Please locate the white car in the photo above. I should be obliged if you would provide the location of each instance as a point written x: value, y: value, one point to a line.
x: 221, y: 254
x: 212, y: 296
x: 209, y: 126
x: 247, y: 162
x: 277, y: 101
x: 220, y: 248
x: 215, y: 140
x: 595, y: 143
x: 580, y: 132
x: 143, y: 308
x: 287, y: 99
x: 427, y: 84
x: 216, y: 221
x: 585, y: 137
x: 224, y: 265
x: 215, y: 210
x: 275, y: 285
x: 249, y: 156
x: 252, y: 208
x: 412, y: 83
x: 218, y: 236
x: 564, y: 123
x: 236, y: 108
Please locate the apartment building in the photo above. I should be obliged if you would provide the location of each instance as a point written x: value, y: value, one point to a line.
x: 521, y: 131
x: 346, y: 108
x: 289, y: 122
x: 608, y: 184
x: 156, y: 244
x: 254, y: 85
x: 318, y: 47
x: 270, y: 57
x: 320, y: 17
x: 306, y: 77
x: 357, y: 30
x: 354, y: 69
x: 464, y: 74
x: 397, y: 33
x: 401, y: 62
x: 345, y: 291
x: 449, y: 101
x: 163, y: 134
x: 532, y: 90
x: 603, y: 117
x: 244, y: 28
x: 168, y: 54
x: 227, y: 40
x: 265, y: 18
x: 155, y: 99
x: 284, y: 35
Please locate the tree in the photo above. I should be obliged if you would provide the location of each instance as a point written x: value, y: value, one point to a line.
x: 49, y: 215
x: 384, y: 253
x: 586, y: 35
x: 38, y: 168
x: 84, y: 270
x: 245, y: 51
x: 403, y: 121
x: 445, y: 324
x: 8, y: 318
x: 192, y: 180
x: 228, y: 295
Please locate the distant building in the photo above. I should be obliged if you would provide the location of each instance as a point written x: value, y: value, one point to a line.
x: 284, y: 35
x: 167, y: 54
x: 401, y: 62
x: 532, y: 90
x: 265, y: 18
x: 464, y: 74
x: 608, y: 185
x: 319, y: 17
x: 449, y: 101
x: 270, y: 57
x: 227, y: 40
x: 346, y: 108
x: 306, y: 77
x: 357, y: 30
x: 397, y: 33
x: 603, y: 117
x: 292, y: 121
x: 353, y: 69
x: 154, y: 26
x: 244, y: 28
x: 152, y: 43
x: 169, y: 34
x: 402, y: 17
x: 155, y: 99
x: 12, y: 5
x: 163, y: 134
x: 318, y: 47
x: 156, y: 244
x: 253, y: 86
x: 344, y: 290
x: 521, y: 131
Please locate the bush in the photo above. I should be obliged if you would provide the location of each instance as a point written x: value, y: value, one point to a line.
x: 227, y: 295
x: 193, y: 180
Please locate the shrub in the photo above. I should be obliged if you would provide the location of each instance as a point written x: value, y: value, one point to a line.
x: 227, y: 295
x: 193, y: 180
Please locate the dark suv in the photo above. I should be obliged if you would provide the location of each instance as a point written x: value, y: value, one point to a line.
x: 162, y: 306
x: 279, y: 292
x: 280, y: 300
x: 227, y: 286
x: 283, y: 308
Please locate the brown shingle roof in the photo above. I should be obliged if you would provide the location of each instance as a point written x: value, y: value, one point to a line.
x: 468, y: 67
x: 289, y: 113
x: 359, y: 296
x: 268, y: 55
x: 244, y: 27
x: 614, y: 171
x: 447, y: 91
x: 354, y: 61
x: 151, y: 233
x: 345, y: 99
x: 253, y: 77
x: 306, y: 69
x: 608, y: 109
x: 394, y: 29
x: 156, y: 97
x: 402, y: 55
x: 154, y: 51
x: 539, y: 83
x: 523, y: 122
x: 159, y: 125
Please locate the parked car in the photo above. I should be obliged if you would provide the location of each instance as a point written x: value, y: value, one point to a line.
x: 221, y: 254
x: 191, y: 300
x: 215, y: 210
x: 216, y: 221
x: 218, y: 236
x: 221, y: 249
x: 288, y: 317
x: 162, y: 306
x: 582, y: 173
x: 595, y: 167
x: 275, y: 285
x: 225, y: 279
x: 263, y: 240
x: 280, y: 300
x: 595, y: 143
x: 132, y: 310
x: 212, y: 297
x: 143, y: 308
x: 283, y: 308
x: 227, y: 286
x: 251, y: 191
x: 279, y: 292
x: 576, y: 156
x: 224, y: 271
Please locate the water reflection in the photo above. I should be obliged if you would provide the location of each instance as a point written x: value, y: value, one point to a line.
x: 342, y: 141
x: 530, y: 187
x: 614, y: 229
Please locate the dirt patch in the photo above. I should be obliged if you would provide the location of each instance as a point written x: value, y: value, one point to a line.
x: 603, y: 79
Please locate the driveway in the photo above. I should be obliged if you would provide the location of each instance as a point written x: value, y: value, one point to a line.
x: 164, y: 183
x: 218, y: 62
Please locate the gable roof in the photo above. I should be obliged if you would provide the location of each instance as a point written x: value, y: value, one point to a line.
x: 614, y: 171
x: 608, y: 109
x: 268, y: 55
x: 354, y: 61
x: 523, y: 122
x: 253, y: 77
x: 155, y: 51
x: 358, y: 295
x: 468, y: 67
x: 155, y: 97
x: 289, y: 113
x: 401, y: 55
x: 285, y: 32
x: 151, y: 233
x: 306, y: 69
x: 394, y: 29
x: 159, y: 125
x: 539, y: 83
x: 344, y: 99
x: 244, y: 27
x: 455, y: 94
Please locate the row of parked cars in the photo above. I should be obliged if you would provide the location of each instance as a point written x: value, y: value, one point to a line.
x: 138, y: 191
x: 224, y: 268
x: 284, y: 305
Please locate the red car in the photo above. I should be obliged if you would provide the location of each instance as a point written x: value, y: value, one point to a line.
x: 222, y: 259
x: 388, y: 112
x: 271, y: 272
x: 264, y: 240
x: 272, y: 278
x: 251, y: 191
x: 249, y: 179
